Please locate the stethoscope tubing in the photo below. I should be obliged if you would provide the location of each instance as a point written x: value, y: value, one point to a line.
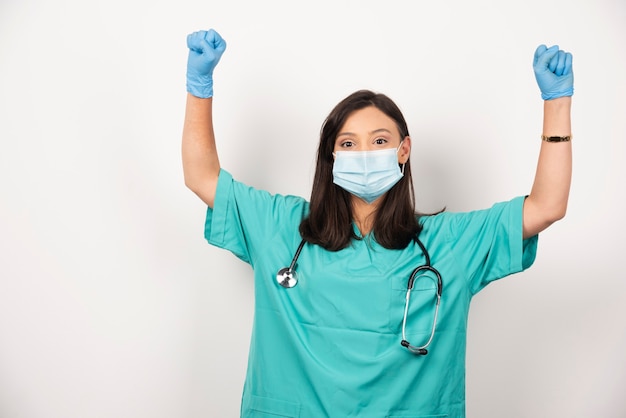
x: 287, y: 278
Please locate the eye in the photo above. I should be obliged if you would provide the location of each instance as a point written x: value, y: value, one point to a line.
x: 347, y: 144
x: 380, y: 141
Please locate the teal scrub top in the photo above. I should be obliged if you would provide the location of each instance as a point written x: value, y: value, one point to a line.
x: 330, y: 346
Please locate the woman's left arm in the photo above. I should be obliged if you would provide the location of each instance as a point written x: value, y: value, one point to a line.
x: 547, y: 201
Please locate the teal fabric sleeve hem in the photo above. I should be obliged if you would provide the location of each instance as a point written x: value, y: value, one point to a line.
x: 523, y: 251
x: 529, y: 245
x: 216, y: 219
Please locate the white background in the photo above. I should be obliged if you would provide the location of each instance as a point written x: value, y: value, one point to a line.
x: 113, y: 305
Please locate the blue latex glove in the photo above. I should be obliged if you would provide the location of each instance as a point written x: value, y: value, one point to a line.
x: 205, y: 50
x: 553, y: 72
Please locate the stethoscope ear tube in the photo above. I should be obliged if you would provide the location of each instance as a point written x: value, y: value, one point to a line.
x: 426, y: 267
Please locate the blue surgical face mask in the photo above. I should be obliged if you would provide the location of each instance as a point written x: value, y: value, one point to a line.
x: 367, y: 174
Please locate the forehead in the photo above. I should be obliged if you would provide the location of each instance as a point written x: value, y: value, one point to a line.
x: 368, y: 119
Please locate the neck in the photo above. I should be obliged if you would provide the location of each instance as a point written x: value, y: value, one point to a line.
x: 363, y: 213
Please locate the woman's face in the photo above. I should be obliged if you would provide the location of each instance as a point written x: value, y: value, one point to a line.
x: 370, y: 129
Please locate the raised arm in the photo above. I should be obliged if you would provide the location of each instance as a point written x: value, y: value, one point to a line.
x: 201, y: 165
x: 547, y: 201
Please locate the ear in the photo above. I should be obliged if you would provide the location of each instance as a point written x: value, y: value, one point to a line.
x: 405, y: 150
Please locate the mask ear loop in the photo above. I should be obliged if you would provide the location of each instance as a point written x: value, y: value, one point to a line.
x: 398, y: 150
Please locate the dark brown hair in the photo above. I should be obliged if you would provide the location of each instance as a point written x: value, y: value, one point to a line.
x: 329, y: 223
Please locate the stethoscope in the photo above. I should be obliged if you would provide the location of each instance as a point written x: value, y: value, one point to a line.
x: 288, y: 278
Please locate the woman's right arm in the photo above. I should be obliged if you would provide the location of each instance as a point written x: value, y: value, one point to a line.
x: 201, y: 166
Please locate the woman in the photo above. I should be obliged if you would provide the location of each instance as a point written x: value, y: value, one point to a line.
x: 335, y: 334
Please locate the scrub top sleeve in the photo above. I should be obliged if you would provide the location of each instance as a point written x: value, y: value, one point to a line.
x: 216, y: 226
x: 489, y: 245
x: 244, y: 219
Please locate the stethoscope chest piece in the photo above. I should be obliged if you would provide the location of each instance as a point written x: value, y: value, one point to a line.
x: 287, y: 277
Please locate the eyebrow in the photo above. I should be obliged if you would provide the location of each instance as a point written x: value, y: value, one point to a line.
x: 376, y: 131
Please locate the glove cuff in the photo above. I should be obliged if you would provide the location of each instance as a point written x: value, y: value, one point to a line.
x: 203, y: 91
x: 556, y: 95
